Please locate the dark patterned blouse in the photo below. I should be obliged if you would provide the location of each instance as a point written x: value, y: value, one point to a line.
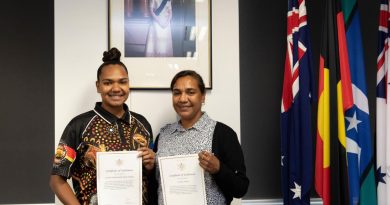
x: 98, y: 131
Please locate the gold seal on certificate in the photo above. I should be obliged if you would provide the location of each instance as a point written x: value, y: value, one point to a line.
x: 182, y: 180
x: 119, y: 178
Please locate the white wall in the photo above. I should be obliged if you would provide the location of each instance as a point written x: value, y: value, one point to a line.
x: 81, y: 38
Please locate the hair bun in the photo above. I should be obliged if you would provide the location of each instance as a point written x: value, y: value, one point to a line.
x: 112, y: 55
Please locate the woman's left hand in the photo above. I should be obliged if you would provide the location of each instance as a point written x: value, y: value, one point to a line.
x: 147, y: 157
x: 209, y: 162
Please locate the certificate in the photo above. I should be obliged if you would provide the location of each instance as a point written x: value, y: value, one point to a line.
x: 119, y: 178
x: 182, y: 180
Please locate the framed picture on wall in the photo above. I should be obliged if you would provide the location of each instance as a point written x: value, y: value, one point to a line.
x: 159, y: 38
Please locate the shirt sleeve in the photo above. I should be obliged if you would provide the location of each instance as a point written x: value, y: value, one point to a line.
x: 147, y: 126
x: 65, y: 154
x: 231, y: 177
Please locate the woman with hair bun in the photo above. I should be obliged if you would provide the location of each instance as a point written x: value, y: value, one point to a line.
x: 110, y: 126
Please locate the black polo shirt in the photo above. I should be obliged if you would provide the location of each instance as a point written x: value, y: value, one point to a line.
x: 98, y: 131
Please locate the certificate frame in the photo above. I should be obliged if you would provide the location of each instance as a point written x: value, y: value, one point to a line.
x: 182, y: 170
x: 119, y: 177
x: 129, y: 24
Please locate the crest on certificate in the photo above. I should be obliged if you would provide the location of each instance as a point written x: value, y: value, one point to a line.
x: 119, y: 162
x: 181, y: 166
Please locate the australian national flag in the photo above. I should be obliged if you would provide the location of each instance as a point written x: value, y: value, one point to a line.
x: 383, y: 107
x: 296, y: 138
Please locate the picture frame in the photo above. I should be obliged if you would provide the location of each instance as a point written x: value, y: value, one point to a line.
x: 155, y: 46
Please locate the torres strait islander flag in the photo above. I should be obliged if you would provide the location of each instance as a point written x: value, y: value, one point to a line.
x: 344, y: 163
x: 360, y: 152
x: 296, y: 138
x: 382, y: 108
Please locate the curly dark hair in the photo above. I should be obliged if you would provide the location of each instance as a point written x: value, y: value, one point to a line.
x: 111, y: 57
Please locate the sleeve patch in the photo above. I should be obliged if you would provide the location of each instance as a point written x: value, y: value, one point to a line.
x: 64, y: 152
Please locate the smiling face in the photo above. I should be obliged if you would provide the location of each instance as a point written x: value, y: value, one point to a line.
x: 187, y: 100
x: 113, y: 86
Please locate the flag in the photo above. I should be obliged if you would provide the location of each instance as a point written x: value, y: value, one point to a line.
x: 350, y: 153
x: 296, y: 139
x: 361, y: 164
x: 382, y: 109
x: 331, y: 177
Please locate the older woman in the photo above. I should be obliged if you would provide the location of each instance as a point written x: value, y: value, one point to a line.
x: 216, y: 144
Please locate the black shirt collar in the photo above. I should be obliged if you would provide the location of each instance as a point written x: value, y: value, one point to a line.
x: 110, y: 117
